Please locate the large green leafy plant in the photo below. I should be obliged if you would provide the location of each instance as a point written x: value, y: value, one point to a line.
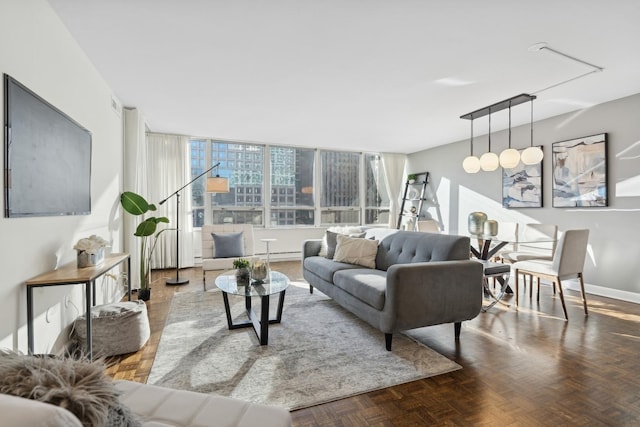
x: 147, y: 230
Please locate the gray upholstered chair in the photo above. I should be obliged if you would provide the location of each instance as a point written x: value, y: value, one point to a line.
x: 567, y: 263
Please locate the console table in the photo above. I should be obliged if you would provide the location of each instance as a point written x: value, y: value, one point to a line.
x: 70, y: 274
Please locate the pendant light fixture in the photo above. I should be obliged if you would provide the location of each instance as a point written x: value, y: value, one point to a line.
x: 532, y: 155
x: 489, y: 161
x: 471, y: 164
x: 510, y: 157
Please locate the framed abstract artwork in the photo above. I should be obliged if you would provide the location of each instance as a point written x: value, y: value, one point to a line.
x: 580, y: 172
x: 522, y: 186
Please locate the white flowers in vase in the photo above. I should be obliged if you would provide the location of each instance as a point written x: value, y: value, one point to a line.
x: 91, y: 245
x: 90, y: 251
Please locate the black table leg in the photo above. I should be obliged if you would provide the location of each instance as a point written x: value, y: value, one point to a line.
x: 88, y: 288
x: 30, y: 319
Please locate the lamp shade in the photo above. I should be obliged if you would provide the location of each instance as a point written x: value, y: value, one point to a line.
x: 217, y: 185
x: 489, y: 161
x: 471, y: 164
x: 532, y: 156
x: 509, y: 158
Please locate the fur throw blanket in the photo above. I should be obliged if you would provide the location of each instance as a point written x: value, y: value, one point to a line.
x: 78, y: 385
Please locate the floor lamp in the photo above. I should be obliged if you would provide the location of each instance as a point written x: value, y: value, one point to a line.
x: 214, y: 185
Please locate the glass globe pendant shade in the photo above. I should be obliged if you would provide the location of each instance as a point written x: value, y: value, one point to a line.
x: 471, y: 164
x: 509, y: 158
x: 489, y: 162
x: 532, y: 156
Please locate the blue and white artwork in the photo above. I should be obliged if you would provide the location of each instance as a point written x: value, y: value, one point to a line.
x: 522, y: 186
x: 580, y: 172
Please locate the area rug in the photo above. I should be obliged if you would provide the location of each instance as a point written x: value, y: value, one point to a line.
x: 319, y: 353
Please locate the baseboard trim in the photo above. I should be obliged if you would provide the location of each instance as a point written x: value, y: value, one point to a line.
x: 601, y: 291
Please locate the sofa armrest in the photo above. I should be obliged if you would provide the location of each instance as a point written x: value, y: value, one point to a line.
x: 433, y: 292
x: 311, y: 247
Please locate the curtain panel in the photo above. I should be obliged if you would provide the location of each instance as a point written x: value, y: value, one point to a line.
x: 393, y: 165
x: 169, y: 169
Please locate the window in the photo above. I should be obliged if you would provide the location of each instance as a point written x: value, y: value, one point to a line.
x: 198, y: 148
x: 292, y: 195
x: 282, y: 186
x: 377, y: 202
x: 340, y: 201
x: 243, y: 164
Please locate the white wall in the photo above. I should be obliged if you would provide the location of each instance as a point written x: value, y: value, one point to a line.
x: 37, y: 50
x: 614, y: 241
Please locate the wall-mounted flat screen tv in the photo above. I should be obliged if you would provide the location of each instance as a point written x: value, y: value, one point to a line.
x: 47, y: 157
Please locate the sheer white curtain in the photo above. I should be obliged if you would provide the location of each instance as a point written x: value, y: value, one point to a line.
x: 393, y: 165
x: 135, y: 179
x: 169, y: 169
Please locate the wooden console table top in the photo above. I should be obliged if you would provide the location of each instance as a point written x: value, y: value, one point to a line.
x: 70, y: 273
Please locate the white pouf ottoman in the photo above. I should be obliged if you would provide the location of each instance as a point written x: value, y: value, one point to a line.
x: 117, y: 328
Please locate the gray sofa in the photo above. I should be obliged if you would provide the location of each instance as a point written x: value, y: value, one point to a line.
x: 420, y: 279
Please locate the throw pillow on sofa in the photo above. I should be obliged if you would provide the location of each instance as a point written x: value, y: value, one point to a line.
x: 353, y: 250
x: 347, y: 230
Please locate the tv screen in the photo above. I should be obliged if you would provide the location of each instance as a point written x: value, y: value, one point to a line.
x: 47, y: 157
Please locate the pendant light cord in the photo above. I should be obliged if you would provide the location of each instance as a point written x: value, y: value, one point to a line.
x: 531, y: 123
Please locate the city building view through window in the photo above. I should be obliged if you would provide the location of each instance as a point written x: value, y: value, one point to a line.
x: 305, y: 186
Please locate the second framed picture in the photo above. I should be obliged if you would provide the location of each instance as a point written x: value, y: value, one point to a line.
x: 580, y: 172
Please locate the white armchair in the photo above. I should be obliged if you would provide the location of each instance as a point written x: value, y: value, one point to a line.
x: 209, y: 259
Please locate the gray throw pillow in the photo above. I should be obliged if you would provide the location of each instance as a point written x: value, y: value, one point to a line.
x: 332, y: 241
x: 228, y: 245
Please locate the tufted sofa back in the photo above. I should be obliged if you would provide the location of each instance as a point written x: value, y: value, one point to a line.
x: 404, y: 247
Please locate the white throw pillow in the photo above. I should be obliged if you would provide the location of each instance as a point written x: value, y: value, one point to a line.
x: 354, y: 250
x: 346, y: 230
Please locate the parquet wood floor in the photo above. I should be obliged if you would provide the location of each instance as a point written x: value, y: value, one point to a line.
x: 524, y: 368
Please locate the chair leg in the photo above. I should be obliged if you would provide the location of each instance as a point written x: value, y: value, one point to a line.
x: 564, y: 307
x: 538, y: 283
x: 584, y: 295
x: 530, y: 285
x: 517, y: 286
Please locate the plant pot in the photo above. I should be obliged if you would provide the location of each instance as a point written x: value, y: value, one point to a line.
x: 243, y: 276
x: 144, y: 294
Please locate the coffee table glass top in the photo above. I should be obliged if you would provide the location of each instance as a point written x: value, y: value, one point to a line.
x: 227, y: 282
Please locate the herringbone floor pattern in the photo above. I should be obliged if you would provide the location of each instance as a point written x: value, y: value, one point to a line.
x: 520, y: 368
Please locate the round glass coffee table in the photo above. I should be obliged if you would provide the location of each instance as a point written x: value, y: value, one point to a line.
x: 277, y: 284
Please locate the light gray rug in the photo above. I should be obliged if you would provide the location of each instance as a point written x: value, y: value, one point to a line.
x: 319, y: 353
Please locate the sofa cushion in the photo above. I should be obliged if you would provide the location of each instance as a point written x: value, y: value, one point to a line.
x: 404, y: 247
x: 326, y: 268
x: 368, y: 285
x: 160, y: 406
x: 228, y: 245
x: 356, y: 251
x: 21, y: 412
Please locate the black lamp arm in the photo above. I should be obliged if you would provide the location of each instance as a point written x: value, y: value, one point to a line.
x: 190, y: 182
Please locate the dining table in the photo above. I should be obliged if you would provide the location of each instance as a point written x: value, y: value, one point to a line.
x: 485, y: 248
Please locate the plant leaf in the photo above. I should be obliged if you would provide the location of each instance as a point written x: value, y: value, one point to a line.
x: 134, y: 203
x: 146, y: 228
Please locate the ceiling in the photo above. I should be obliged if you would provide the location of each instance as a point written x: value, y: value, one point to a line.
x: 371, y: 75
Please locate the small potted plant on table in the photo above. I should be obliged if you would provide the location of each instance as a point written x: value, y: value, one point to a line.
x: 243, y: 273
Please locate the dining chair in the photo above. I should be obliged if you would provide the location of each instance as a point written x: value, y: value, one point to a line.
x: 428, y: 226
x: 567, y: 263
x: 538, y: 241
